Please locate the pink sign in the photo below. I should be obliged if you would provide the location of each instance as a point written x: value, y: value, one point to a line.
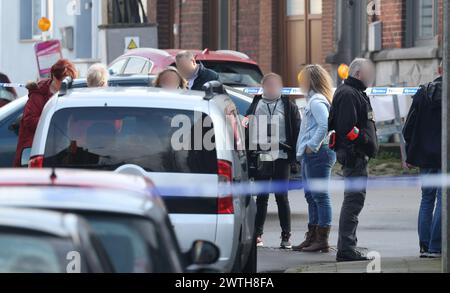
x: 47, y: 54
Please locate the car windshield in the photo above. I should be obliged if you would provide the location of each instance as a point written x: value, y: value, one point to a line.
x: 132, y: 244
x: 33, y: 253
x: 236, y: 74
x: 107, y: 138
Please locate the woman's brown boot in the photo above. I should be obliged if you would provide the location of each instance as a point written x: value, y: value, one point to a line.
x: 309, y: 238
x: 321, y: 242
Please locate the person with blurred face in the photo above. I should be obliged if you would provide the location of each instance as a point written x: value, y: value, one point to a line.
x: 39, y: 94
x: 195, y: 74
x: 355, y: 142
x: 7, y: 95
x: 97, y: 76
x: 279, y: 120
x: 170, y: 79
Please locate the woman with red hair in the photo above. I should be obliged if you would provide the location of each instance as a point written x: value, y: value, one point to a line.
x: 39, y: 94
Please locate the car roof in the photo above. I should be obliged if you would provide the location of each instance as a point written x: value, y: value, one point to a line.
x: 41, y: 221
x: 168, y: 56
x: 75, y: 178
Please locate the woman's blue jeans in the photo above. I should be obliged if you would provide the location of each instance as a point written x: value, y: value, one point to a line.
x: 430, y: 215
x: 318, y: 166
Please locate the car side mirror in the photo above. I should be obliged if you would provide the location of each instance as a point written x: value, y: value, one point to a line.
x: 26, y: 154
x: 204, y: 253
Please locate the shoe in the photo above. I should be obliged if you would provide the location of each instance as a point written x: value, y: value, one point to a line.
x: 423, y: 252
x: 321, y: 242
x: 310, y: 236
x: 285, y: 241
x: 433, y: 255
x: 259, y: 242
x: 350, y: 256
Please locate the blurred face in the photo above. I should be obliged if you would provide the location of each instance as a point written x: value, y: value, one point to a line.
x: 272, y: 88
x: 170, y: 80
x: 367, y: 74
x: 186, y: 67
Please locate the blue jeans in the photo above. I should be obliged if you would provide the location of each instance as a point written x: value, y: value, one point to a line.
x: 318, y: 166
x: 430, y: 215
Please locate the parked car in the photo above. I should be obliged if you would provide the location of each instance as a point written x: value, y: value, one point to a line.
x: 38, y: 241
x: 11, y: 114
x: 234, y: 68
x: 125, y: 217
x: 131, y: 132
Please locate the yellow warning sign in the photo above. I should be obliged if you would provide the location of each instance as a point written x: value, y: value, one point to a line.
x: 132, y: 43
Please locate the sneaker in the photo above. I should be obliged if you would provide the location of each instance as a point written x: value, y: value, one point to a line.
x: 433, y: 255
x: 285, y: 241
x: 351, y: 256
x: 259, y: 242
x: 423, y: 252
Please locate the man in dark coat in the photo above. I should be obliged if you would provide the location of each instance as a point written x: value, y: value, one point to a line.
x: 423, y: 136
x: 352, y: 119
x: 196, y: 74
x: 39, y: 94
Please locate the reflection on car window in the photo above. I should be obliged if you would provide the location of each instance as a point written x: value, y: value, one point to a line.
x: 134, y: 66
x: 33, y: 254
x: 236, y: 74
x: 116, y: 68
x: 133, y: 245
x: 107, y: 138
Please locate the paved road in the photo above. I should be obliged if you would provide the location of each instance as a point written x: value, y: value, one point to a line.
x: 387, y: 225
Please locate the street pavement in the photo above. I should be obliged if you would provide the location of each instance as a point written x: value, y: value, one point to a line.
x: 388, y: 225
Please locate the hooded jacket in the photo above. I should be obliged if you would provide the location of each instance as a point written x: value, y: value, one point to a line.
x: 423, y: 128
x: 39, y: 94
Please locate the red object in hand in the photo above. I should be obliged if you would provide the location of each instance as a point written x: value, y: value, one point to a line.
x: 353, y: 135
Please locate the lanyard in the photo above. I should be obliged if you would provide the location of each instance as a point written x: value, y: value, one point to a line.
x: 272, y: 113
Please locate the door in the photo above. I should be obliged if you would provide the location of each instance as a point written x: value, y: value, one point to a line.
x: 83, y: 30
x: 302, y: 22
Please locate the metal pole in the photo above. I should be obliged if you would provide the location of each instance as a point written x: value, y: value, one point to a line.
x: 446, y: 142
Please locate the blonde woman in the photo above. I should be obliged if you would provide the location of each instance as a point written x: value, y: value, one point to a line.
x: 316, y: 157
x: 170, y: 78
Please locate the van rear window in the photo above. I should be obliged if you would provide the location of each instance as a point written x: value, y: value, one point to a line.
x: 107, y: 138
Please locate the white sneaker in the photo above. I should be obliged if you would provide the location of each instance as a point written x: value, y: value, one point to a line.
x: 433, y: 255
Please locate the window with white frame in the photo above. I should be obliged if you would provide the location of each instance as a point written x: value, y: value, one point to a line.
x: 30, y: 13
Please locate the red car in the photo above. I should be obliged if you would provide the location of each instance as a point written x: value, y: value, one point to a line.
x: 235, y: 68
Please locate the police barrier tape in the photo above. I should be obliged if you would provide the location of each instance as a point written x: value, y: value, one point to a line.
x: 315, y: 185
x: 12, y: 85
x: 376, y: 91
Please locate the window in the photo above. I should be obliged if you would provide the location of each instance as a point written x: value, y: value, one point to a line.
x: 134, y: 66
x: 117, y: 67
x: 422, y: 23
x: 9, y: 130
x: 106, y: 138
x: 224, y: 24
x: 295, y: 7
x: 30, y: 13
x: 127, y: 11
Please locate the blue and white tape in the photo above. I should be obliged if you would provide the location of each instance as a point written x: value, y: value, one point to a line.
x: 12, y: 85
x: 376, y: 91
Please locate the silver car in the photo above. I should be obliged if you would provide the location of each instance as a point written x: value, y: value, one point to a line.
x: 132, y: 131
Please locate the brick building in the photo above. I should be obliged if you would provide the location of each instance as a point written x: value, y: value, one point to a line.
x: 401, y: 36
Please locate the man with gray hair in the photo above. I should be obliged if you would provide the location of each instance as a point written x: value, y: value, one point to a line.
x: 97, y: 76
x: 355, y: 142
x: 196, y: 74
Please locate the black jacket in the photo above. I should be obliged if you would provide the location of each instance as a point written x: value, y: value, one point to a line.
x: 423, y: 128
x: 204, y: 75
x: 351, y: 107
x: 292, y: 119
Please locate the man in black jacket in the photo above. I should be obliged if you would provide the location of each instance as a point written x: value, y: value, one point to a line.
x: 274, y: 126
x: 352, y: 119
x: 196, y: 74
x: 423, y: 136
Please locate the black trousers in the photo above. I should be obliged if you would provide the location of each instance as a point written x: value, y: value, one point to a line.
x: 281, y: 175
x: 354, y: 198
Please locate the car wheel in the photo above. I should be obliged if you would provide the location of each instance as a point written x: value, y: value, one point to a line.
x: 251, y: 267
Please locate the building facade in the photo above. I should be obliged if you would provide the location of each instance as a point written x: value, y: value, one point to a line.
x: 403, y: 37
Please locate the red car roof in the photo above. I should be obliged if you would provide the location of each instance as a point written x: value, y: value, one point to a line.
x: 164, y: 58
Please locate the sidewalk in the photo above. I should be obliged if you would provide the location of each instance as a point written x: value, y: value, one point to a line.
x: 388, y: 265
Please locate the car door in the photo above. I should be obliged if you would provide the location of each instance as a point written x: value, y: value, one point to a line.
x: 9, y: 134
